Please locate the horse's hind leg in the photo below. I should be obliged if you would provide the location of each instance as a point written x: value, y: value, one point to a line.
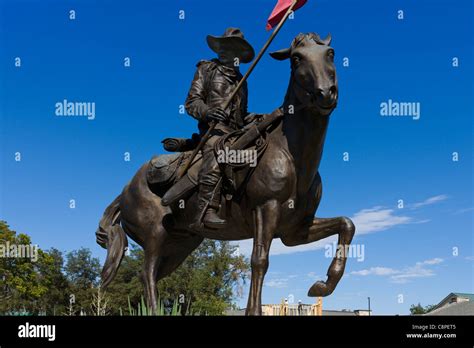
x: 320, y: 229
x: 153, y: 251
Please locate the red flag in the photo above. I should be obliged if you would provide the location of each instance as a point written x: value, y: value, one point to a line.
x: 280, y: 9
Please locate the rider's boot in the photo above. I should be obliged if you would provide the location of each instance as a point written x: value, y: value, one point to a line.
x: 211, y: 219
x: 208, y: 204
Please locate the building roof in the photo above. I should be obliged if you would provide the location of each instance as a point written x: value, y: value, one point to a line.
x: 464, y: 295
x: 235, y: 312
x: 460, y: 308
x: 468, y: 296
x: 338, y: 313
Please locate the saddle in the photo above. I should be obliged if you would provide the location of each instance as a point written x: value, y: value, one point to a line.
x: 163, y: 169
x: 162, y: 176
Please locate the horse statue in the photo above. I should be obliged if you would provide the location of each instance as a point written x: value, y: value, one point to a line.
x: 279, y: 198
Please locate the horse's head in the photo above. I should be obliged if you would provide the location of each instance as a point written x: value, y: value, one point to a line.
x: 313, y: 73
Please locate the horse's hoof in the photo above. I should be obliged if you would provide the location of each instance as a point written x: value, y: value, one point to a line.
x: 319, y: 289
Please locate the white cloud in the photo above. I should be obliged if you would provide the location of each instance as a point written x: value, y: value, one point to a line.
x: 278, y: 283
x: 377, y: 219
x: 434, y: 261
x: 281, y: 280
x: 313, y: 276
x: 410, y: 273
x: 465, y: 210
x: 429, y: 201
x: 419, y: 270
x: 379, y: 271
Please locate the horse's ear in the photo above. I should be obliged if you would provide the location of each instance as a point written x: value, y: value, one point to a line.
x: 327, y: 40
x: 281, y: 54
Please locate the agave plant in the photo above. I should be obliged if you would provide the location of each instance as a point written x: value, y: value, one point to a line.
x: 144, y: 310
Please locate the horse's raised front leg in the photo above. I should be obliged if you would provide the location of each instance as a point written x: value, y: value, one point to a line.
x: 266, y: 220
x: 320, y: 229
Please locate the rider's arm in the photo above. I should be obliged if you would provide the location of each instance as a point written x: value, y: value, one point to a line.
x: 196, y: 101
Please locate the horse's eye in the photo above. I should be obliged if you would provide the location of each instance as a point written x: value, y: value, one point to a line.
x: 296, y: 60
x: 331, y: 55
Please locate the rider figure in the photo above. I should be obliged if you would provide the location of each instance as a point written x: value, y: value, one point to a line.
x: 214, y: 81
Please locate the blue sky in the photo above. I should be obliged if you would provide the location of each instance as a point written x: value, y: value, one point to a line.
x: 407, y: 251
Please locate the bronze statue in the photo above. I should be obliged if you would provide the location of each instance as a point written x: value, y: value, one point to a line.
x: 276, y: 199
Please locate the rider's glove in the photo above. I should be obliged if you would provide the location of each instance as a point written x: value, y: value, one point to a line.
x: 217, y: 114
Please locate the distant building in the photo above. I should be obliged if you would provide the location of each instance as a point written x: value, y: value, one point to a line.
x: 292, y: 310
x: 308, y: 309
x: 304, y: 309
x: 456, y: 303
x: 235, y: 312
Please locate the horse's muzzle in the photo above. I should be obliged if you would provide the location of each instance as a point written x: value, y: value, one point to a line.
x: 326, y: 98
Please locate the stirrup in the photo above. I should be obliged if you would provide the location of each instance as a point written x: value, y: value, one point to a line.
x: 217, y: 223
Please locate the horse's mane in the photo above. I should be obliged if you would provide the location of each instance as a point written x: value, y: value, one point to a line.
x: 301, y: 40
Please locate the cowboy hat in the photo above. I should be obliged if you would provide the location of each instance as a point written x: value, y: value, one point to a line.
x: 232, y: 41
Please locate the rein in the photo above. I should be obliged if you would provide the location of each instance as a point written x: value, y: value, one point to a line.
x: 302, y: 105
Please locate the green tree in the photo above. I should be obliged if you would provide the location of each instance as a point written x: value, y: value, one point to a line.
x: 82, y: 271
x: 56, y: 300
x: 208, y: 281
x: 21, y: 284
x: 419, y: 309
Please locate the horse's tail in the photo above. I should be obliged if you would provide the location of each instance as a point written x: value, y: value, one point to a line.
x: 111, y: 236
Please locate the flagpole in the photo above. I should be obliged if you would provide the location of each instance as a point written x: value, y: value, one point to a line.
x: 237, y: 88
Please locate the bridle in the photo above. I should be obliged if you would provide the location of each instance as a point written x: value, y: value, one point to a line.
x: 303, y: 104
x: 306, y: 104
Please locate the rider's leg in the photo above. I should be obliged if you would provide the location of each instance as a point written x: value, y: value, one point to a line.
x: 210, y: 187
